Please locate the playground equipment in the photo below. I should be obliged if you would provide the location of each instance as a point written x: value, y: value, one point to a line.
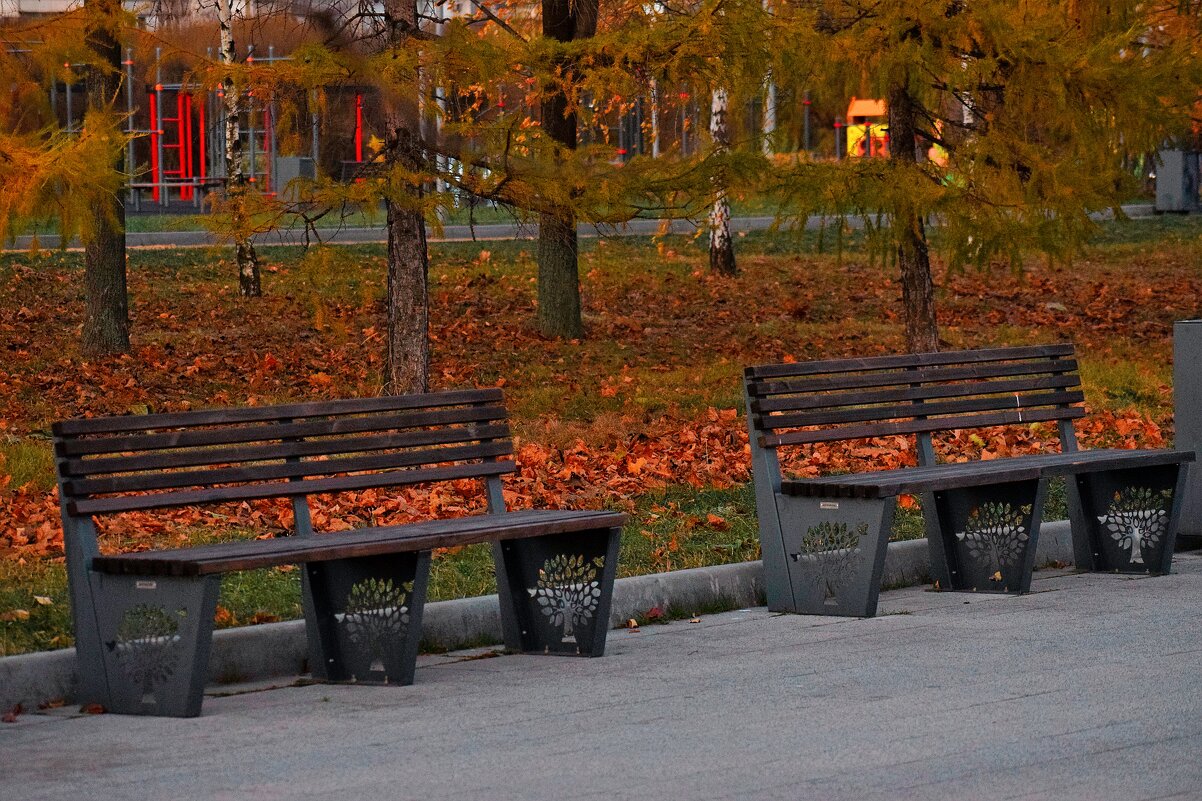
x: 867, y: 129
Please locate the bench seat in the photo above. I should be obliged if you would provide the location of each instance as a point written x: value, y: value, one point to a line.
x: 204, y: 560
x: 956, y: 475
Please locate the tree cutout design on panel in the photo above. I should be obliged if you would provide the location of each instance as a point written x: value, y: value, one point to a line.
x: 996, y: 535
x: 376, y: 617
x: 833, y: 550
x: 568, y: 592
x: 147, y: 647
x: 1137, y: 520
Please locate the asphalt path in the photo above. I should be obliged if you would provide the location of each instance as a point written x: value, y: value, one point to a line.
x: 1085, y: 689
x: 462, y: 233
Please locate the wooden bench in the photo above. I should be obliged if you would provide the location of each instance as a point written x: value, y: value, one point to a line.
x: 143, y: 621
x: 824, y: 539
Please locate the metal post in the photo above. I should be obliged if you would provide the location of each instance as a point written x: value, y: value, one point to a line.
x: 250, y: 121
x: 805, y: 138
x: 158, y: 99
x: 129, y: 125
x: 70, y: 112
x: 839, y: 142
x: 654, y: 119
x: 1187, y: 417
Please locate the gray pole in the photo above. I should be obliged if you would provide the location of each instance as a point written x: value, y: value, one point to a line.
x: 129, y: 125
x: 250, y: 123
x: 158, y: 123
x: 1187, y: 416
x: 806, y: 122
x: 70, y: 125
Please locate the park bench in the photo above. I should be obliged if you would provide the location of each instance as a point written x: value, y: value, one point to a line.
x: 824, y: 538
x: 143, y: 621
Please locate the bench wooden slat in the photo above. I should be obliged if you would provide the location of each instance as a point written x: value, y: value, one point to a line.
x: 277, y: 431
x: 142, y: 482
x: 284, y: 450
x: 251, y: 414
x: 934, y: 478
x: 392, y: 478
x: 910, y: 410
x: 902, y: 379
x: 793, y: 403
x: 967, y: 421
x: 906, y: 361
x: 253, y: 554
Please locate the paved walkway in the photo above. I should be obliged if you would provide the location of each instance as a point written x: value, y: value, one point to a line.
x: 1087, y: 688
x: 467, y: 233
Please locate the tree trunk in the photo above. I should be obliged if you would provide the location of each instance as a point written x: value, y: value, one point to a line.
x: 722, y: 248
x: 249, y: 283
x: 918, y: 289
x: 106, y: 319
x: 558, y: 266
x: 558, y: 279
x: 407, y: 361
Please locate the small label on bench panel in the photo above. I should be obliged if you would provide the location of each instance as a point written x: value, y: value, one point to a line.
x: 828, y: 505
x: 146, y: 585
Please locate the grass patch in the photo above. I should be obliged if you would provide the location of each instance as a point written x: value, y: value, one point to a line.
x: 27, y: 624
x: 30, y: 462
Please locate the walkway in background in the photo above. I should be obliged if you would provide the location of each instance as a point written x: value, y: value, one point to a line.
x: 457, y: 233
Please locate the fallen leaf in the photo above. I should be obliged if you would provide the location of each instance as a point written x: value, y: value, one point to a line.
x: 11, y: 715
x: 14, y: 614
x: 632, y: 624
x: 695, y: 620
x: 654, y: 613
x: 92, y: 709
x: 996, y: 576
x: 44, y: 600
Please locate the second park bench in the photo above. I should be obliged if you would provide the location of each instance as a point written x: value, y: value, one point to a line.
x: 824, y: 539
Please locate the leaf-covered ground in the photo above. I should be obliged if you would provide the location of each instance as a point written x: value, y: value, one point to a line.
x: 643, y: 416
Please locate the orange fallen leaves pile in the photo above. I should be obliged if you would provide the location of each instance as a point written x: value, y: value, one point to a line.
x: 710, y: 452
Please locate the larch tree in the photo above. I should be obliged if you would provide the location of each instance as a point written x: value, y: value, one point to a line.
x: 106, y: 321
x: 407, y: 362
x: 1034, y: 104
x: 74, y: 174
x: 559, y: 312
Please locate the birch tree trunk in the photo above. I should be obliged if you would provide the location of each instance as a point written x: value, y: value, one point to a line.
x: 106, y: 297
x: 722, y: 249
x: 249, y: 282
x: 769, y: 125
x: 918, y: 289
x: 407, y: 361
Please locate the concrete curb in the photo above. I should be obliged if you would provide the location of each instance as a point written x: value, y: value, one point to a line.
x: 278, y: 649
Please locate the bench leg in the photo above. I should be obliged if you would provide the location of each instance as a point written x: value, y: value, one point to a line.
x: 364, y: 617
x: 556, y: 591
x: 1126, y: 520
x: 834, y: 553
x: 982, y: 539
x: 154, y: 635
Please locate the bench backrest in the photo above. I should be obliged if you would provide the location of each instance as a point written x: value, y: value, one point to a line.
x: 119, y: 464
x: 922, y: 393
